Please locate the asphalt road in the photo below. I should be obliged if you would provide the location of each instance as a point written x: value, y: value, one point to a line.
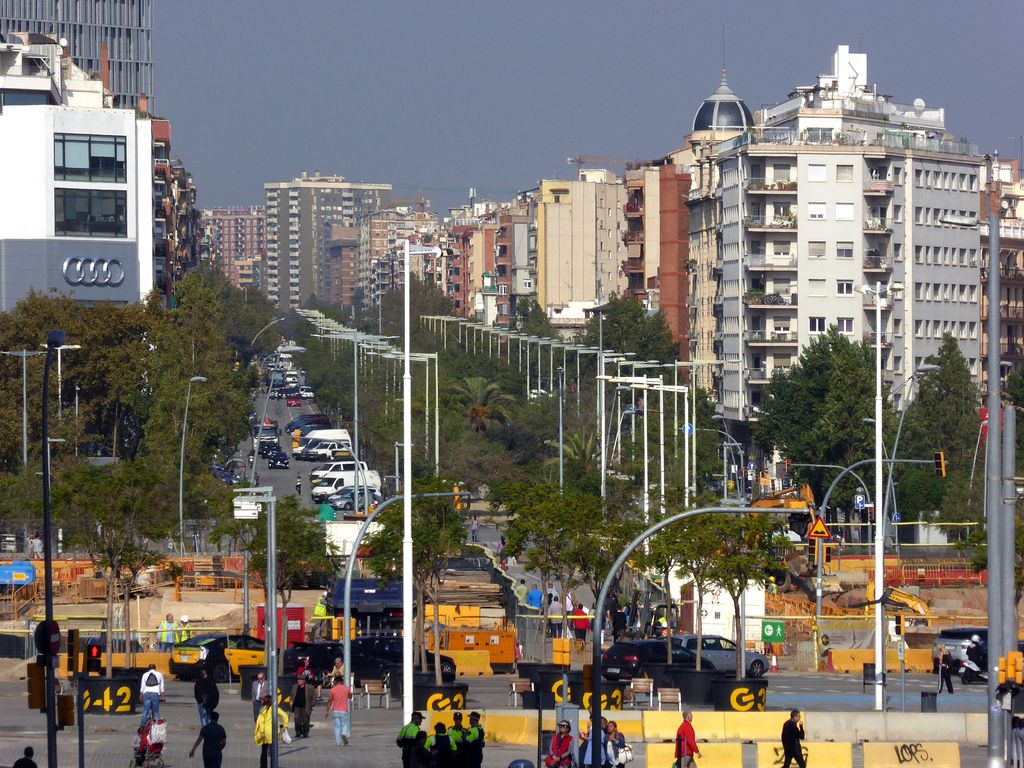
x: 282, y: 480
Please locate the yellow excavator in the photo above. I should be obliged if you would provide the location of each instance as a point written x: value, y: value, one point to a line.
x: 798, y: 500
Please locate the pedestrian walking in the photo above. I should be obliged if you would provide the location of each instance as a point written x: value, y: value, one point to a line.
x: 945, y: 669
x: 263, y: 735
x: 213, y: 738
x: 339, y: 698
x: 686, y: 742
x: 408, y: 738
x: 260, y: 690
x: 535, y: 598
x: 303, y: 700
x: 298, y: 484
x: 26, y: 761
x: 580, y: 622
x: 151, y: 693
x: 474, y: 530
x: 792, y: 735
x: 207, y: 696
x: 166, y: 634
x: 474, y: 742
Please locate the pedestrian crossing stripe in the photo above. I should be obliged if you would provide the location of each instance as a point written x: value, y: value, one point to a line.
x: 819, y: 530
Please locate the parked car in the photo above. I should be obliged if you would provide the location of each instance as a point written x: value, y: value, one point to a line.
x: 374, y: 657
x: 207, y: 651
x: 721, y: 651
x: 306, y: 392
x: 293, y: 401
x: 626, y: 659
x: 345, y: 499
x: 303, y: 419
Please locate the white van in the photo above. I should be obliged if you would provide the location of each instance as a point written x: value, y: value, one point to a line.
x: 341, y: 435
x: 342, y: 474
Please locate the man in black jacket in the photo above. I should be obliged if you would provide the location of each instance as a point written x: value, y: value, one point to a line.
x: 207, y: 696
x: 792, y: 734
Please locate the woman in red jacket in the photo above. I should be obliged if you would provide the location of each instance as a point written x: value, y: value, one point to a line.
x: 560, y: 754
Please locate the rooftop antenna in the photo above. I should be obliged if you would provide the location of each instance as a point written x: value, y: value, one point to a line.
x: 723, y: 50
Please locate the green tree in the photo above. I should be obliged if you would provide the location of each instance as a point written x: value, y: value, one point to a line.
x: 629, y: 328
x: 486, y: 405
x: 531, y: 319
x: 438, y: 533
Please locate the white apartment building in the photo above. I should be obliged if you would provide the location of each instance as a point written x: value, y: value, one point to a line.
x: 77, y: 191
x: 296, y: 213
x: 834, y: 189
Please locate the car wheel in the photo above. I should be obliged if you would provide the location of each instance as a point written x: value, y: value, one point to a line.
x: 756, y: 668
x: 447, y: 667
x: 347, y: 505
x: 220, y: 673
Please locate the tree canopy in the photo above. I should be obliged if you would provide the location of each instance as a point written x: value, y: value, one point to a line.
x: 629, y: 328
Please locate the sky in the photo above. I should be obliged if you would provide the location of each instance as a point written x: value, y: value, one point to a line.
x: 445, y: 95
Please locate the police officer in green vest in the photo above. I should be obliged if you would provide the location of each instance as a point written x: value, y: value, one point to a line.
x: 458, y: 735
x: 474, y: 742
x: 442, y: 746
x: 407, y: 737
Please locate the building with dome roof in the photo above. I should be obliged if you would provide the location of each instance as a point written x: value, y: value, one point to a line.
x: 723, y: 110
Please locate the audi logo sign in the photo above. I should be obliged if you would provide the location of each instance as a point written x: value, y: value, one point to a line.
x: 93, y: 272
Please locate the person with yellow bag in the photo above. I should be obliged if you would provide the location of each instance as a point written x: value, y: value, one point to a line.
x: 264, y: 733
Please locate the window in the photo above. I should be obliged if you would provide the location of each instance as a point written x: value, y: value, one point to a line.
x: 90, y: 213
x: 844, y: 250
x: 781, y: 172
x: 817, y: 324
x: 844, y: 173
x: 88, y: 158
x: 844, y: 211
x: 897, y: 214
x: 816, y: 287
x: 844, y: 287
x: 782, y: 247
x: 816, y: 173
x: 815, y: 211
x: 816, y: 249
x: 845, y: 324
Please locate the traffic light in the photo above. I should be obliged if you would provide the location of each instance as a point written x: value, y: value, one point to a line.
x: 789, y: 465
x: 72, y: 652
x: 1004, y: 669
x: 460, y: 498
x: 940, y: 463
x: 36, y: 682
x: 1015, y: 668
x: 93, y: 659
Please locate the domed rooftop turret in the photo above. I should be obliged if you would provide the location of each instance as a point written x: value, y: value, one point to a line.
x: 723, y: 111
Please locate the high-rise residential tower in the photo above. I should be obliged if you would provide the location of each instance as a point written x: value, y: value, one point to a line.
x: 124, y: 25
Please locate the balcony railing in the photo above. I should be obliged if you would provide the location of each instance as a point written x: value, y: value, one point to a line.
x: 632, y: 236
x: 763, y: 261
x: 634, y: 208
x: 757, y: 374
x: 1011, y: 349
x: 763, y: 185
x: 770, y: 337
x: 879, y: 187
x: 869, y: 339
x: 882, y: 226
x: 761, y: 299
x: 776, y: 222
x: 633, y: 265
x: 877, y: 264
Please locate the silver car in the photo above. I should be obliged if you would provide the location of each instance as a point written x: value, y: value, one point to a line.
x: 722, y: 653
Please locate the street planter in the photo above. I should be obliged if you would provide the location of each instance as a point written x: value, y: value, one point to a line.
x: 742, y: 695
x: 550, y: 688
x: 662, y: 673
x: 118, y: 695
x: 439, y: 698
x: 133, y: 672
x: 694, y: 686
x: 611, y: 696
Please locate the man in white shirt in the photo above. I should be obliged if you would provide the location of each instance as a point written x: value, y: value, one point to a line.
x: 151, y: 693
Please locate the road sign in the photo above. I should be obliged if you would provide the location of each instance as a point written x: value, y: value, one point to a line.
x: 858, y: 501
x: 819, y: 530
x: 687, y: 428
x: 751, y: 466
x: 895, y: 517
x: 772, y: 631
x: 47, y: 638
x: 245, y: 509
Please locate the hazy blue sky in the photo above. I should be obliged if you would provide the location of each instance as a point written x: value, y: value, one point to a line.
x: 447, y: 95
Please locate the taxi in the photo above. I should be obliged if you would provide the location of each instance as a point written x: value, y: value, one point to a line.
x: 220, y: 655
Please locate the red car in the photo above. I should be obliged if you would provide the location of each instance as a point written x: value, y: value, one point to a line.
x: 294, y: 401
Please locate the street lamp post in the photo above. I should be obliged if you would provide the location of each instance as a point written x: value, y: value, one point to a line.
x: 60, y: 379
x: 23, y: 354
x: 561, y: 432
x: 181, y: 465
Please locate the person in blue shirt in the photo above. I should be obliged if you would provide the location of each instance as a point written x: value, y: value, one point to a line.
x: 535, y: 598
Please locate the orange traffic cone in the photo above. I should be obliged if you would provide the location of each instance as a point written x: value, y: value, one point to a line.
x: 775, y: 664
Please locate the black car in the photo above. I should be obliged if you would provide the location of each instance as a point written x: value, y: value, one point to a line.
x: 206, y: 651
x: 277, y: 460
x: 626, y: 659
x: 308, y: 420
x: 373, y: 657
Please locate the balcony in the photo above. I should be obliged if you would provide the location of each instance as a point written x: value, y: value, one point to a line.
x: 879, y: 187
x: 888, y: 377
x: 1013, y: 350
x: 773, y: 223
x: 1006, y: 312
x: 869, y: 340
x: 632, y: 266
x: 762, y: 186
x: 757, y: 375
x: 869, y: 303
x: 761, y: 300
x: 633, y: 236
x: 770, y: 338
x: 634, y: 208
x: 877, y: 264
x: 749, y: 412
x: 762, y: 262
x: 876, y: 226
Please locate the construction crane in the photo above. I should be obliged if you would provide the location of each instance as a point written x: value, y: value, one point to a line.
x: 581, y: 160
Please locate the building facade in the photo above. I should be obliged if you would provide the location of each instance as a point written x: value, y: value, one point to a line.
x: 77, y: 197
x: 296, y: 213
x: 237, y: 243
x: 116, y: 34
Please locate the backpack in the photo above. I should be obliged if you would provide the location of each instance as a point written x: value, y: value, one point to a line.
x: 151, y: 679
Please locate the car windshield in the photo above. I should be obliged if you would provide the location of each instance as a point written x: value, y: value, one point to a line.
x: 200, y: 640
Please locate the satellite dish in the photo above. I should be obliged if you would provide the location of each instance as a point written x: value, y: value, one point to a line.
x: 63, y: 42
x: 919, y: 103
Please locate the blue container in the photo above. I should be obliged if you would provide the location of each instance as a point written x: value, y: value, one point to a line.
x: 18, y: 573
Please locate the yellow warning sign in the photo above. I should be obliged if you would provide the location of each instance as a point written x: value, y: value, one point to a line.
x: 819, y: 530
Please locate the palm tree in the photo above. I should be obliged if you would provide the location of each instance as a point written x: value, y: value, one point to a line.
x: 583, y: 449
x: 486, y: 404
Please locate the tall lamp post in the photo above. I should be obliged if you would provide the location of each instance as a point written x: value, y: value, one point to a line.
x: 181, y: 465
x: 23, y: 354
x: 60, y: 379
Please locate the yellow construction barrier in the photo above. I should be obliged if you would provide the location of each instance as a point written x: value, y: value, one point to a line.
x: 753, y: 726
x: 662, y: 726
x: 471, y: 663
x: 711, y: 755
x: 142, y: 660
x: 832, y: 754
x: 896, y: 754
x: 853, y: 661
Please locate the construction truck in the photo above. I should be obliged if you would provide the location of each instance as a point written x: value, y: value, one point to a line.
x: 797, y: 560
